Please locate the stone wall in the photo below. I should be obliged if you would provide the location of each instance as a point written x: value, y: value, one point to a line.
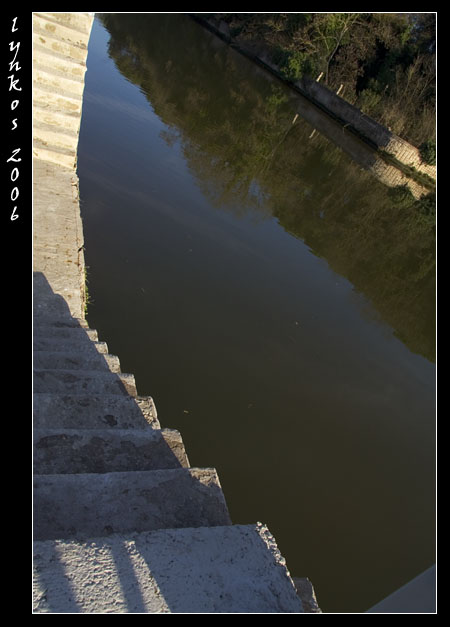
x: 59, y: 65
x: 349, y: 116
x: 379, y: 135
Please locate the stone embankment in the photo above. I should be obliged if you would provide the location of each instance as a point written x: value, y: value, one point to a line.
x: 122, y: 522
x: 410, y: 169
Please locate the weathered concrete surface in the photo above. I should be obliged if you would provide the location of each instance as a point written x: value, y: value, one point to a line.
x: 59, y: 65
x: 72, y: 334
x: 83, y: 382
x: 76, y: 360
x: 93, y: 411
x: 97, y: 504
x: 58, y: 232
x: 232, y: 569
x: 64, y: 451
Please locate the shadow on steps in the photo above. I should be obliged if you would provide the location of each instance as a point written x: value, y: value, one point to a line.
x: 87, y: 417
x: 122, y: 523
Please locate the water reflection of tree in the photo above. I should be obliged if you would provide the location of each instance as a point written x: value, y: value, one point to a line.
x: 235, y: 126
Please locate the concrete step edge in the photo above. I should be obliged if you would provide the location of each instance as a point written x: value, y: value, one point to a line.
x: 76, y: 21
x: 45, y: 94
x: 62, y: 48
x: 43, y: 316
x: 55, y: 120
x: 87, y: 360
x: 58, y: 147
x: 221, y: 569
x: 40, y: 127
x: 39, y: 49
x: 89, y: 504
x: 106, y: 431
x: 49, y: 109
x: 53, y: 154
x: 55, y: 141
x: 49, y: 344
x: 59, y: 381
x: 62, y: 154
x: 52, y: 140
x: 50, y: 58
x: 63, y: 451
x: 58, y: 119
x: 91, y: 411
x: 60, y: 33
x: 49, y: 330
x: 57, y: 78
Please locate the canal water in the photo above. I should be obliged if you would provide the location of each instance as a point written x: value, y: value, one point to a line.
x: 275, y: 298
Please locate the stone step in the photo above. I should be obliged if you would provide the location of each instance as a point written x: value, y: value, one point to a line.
x: 222, y: 569
x: 60, y: 31
x: 53, y: 44
x: 56, y: 59
x: 64, y: 102
x: 70, y: 67
x: 45, y: 115
x: 56, y: 318
x: 71, y: 290
x: 83, y: 382
x: 61, y: 321
x: 73, y: 334
x: 45, y: 73
x: 81, y: 360
x: 86, y: 411
x: 63, y: 345
x: 63, y: 157
x: 55, y: 136
x: 64, y: 451
x: 82, y: 505
x: 76, y: 21
x: 49, y: 308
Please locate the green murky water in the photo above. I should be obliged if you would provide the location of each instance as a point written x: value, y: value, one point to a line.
x: 274, y: 297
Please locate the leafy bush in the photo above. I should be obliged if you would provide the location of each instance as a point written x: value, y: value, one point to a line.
x: 428, y: 152
x: 426, y: 207
x: 293, y: 64
x: 401, y: 196
x: 369, y: 101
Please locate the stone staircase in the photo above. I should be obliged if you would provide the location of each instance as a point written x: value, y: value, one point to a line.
x: 122, y: 522
x: 59, y: 64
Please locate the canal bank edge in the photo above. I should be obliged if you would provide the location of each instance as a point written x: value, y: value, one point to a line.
x: 122, y: 523
x: 390, y: 147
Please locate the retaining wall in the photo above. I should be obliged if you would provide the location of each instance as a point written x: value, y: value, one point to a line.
x: 381, y: 137
x: 349, y: 116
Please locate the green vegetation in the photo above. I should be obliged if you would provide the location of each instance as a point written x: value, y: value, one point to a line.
x: 87, y: 296
x: 428, y: 152
x: 386, y: 62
